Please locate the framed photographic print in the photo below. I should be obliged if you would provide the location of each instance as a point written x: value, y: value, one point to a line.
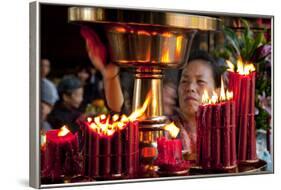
x: 124, y: 94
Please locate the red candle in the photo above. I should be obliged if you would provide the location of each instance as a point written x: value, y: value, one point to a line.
x: 169, y: 150
x: 233, y: 155
x: 61, y: 154
x: 243, y: 118
x: 169, y: 156
x: 226, y: 133
x: 251, y: 143
x: 116, y: 144
x: 207, y: 120
x: 93, y: 156
x: 131, y: 148
x: 136, y: 147
x: 105, y: 155
x: 216, y: 139
x: 199, y: 136
x: 234, y: 85
x: 244, y: 94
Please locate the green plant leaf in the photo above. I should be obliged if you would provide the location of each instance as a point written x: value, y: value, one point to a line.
x: 233, y: 40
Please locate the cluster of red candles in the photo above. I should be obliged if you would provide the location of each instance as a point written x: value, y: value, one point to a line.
x: 216, y: 131
x: 111, y: 144
x: 169, y: 158
x: 242, y: 83
x: 111, y: 147
x: 60, y: 154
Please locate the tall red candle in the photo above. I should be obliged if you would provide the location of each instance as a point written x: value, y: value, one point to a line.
x: 234, y: 85
x: 199, y: 136
x: 243, y: 118
x: 105, y: 155
x: 207, y: 116
x: 116, y: 146
x: 233, y: 155
x: 251, y: 143
x: 226, y: 133
x: 244, y: 96
x: 131, y: 149
x: 216, y: 139
x: 94, y: 153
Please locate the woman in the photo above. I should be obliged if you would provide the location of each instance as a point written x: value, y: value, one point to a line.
x: 199, y: 74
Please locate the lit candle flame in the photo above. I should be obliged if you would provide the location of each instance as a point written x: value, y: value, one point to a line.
x: 115, y: 117
x: 63, y: 131
x: 214, y: 98
x: 139, y: 112
x: 89, y: 119
x: 205, y: 97
x: 43, y: 140
x: 230, y: 66
x: 102, y: 117
x: 172, y: 129
x: 229, y: 95
x: 107, y: 126
x: 222, y: 93
x: 242, y: 68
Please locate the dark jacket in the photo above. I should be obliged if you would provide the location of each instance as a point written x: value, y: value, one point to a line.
x: 62, y: 115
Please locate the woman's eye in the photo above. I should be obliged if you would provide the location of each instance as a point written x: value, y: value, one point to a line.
x: 201, y: 82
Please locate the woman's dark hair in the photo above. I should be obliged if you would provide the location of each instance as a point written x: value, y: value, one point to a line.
x: 209, y: 60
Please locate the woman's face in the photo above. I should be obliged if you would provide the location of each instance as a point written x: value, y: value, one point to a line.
x: 196, y: 77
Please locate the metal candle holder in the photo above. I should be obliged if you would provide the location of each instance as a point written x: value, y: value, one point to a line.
x: 148, y: 42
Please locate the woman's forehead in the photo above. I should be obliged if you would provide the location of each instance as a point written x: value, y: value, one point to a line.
x: 197, y: 68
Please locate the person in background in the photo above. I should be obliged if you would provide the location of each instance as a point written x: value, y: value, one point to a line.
x: 47, y: 102
x: 45, y: 68
x: 90, y: 83
x: 66, y: 111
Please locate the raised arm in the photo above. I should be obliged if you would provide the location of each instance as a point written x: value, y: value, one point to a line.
x: 110, y: 72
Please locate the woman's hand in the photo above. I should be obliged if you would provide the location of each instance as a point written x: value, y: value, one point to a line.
x: 97, y: 53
